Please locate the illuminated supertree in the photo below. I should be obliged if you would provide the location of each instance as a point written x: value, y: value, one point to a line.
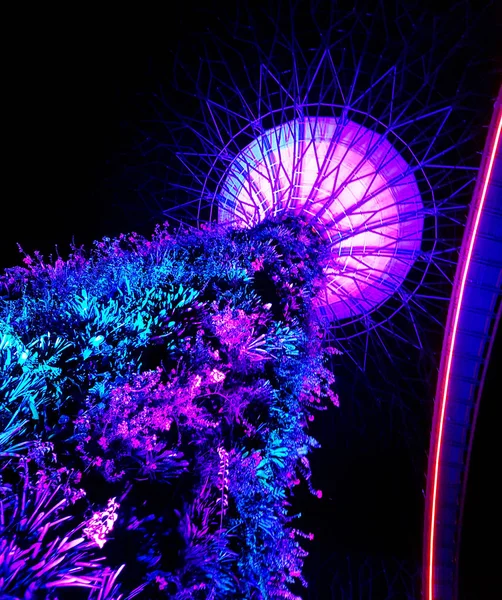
x: 363, y: 120
x: 358, y: 119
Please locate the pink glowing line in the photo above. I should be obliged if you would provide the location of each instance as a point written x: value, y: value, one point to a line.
x: 458, y: 309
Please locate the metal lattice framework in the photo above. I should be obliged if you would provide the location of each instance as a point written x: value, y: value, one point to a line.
x: 352, y: 118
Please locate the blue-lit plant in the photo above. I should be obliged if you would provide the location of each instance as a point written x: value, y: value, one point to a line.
x: 155, y: 395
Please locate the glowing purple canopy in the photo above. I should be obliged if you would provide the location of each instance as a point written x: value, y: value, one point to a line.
x: 352, y: 185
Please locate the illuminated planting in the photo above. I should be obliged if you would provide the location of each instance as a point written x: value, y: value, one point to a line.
x: 184, y: 407
x: 352, y: 185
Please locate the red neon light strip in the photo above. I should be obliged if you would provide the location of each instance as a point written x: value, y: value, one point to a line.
x: 444, y: 397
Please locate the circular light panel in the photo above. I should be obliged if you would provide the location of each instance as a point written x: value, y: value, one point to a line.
x: 352, y: 185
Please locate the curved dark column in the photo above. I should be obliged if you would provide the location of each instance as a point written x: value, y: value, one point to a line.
x: 473, y: 317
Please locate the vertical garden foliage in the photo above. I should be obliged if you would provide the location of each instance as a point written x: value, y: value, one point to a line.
x: 154, y: 405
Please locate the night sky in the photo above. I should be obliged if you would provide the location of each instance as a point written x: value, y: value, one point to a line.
x: 75, y: 87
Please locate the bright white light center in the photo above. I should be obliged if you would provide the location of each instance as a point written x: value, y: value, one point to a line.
x: 352, y: 185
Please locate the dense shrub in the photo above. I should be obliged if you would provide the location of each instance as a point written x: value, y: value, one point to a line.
x: 154, y: 406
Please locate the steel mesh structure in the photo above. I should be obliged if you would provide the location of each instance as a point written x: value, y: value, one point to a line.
x: 398, y: 152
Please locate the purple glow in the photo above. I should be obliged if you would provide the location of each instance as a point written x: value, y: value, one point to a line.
x: 352, y: 185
